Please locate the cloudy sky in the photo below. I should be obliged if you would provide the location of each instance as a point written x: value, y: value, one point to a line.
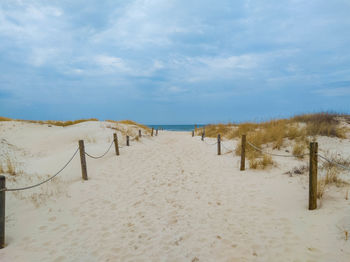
x: 174, y: 61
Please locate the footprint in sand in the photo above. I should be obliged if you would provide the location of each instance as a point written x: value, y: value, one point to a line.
x: 42, y: 227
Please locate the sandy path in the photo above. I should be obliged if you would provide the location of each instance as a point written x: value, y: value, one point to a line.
x: 171, y: 198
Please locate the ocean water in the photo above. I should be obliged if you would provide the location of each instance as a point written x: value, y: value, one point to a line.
x: 175, y: 127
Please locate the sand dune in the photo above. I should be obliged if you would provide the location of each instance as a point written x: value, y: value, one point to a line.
x: 165, y: 198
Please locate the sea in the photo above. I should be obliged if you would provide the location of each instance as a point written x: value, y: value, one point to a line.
x: 175, y: 127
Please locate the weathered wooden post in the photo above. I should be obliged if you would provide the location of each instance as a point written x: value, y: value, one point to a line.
x: 140, y: 135
x: 202, y: 136
x: 219, y: 144
x: 192, y: 133
x: 243, y: 152
x: 2, y: 211
x: 116, y: 144
x: 83, y: 160
x: 157, y: 132
x: 313, y: 176
x: 127, y: 141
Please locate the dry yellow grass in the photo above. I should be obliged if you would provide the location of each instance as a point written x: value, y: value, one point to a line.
x: 321, y: 186
x: 51, y: 122
x: 73, y: 122
x: 68, y: 123
x: 275, y: 131
x: 299, y: 150
x: 300, y: 129
x: 130, y: 122
x: 332, y: 175
x: 5, y: 118
x: 260, y: 163
x: 10, y: 167
x: 324, y: 124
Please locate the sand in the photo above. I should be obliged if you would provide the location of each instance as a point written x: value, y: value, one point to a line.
x: 165, y: 198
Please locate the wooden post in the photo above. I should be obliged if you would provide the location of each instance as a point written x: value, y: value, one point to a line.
x: 140, y: 135
x: 202, y: 136
x: 2, y: 211
x: 157, y: 132
x: 152, y: 131
x: 127, y: 141
x: 219, y: 144
x: 116, y: 144
x: 192, y: 133
x: 243, y: 152
x: 313, y: 176
x: 83, y: 160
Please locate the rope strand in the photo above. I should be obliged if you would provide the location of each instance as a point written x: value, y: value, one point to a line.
x: 210, y: 144
x: 334, y: 163
x: 97, y: 157
x: 47, y: 180
x: 272, y: 154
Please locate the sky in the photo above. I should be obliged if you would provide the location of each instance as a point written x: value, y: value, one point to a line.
x: 174, y: 61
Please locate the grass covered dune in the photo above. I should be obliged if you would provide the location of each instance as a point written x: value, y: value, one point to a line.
x: 170, y: 197
x: 297, y: 131
x: 72, y: 122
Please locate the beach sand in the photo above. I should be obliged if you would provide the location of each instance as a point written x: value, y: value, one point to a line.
x: 165, y: 198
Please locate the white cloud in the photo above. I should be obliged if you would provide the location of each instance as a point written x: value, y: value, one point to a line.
x: 146, y: 23
x: 176, y: 89
x: 36, y: 31
x: 111, y: 63
x: 339, y: 91
x: 247, y: 61
x: 39, y: 56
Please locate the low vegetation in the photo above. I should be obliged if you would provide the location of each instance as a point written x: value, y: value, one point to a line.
x: 126, y: 131
x: 5, y: 119
x: 299, y: 170
x: 332, y: 174
x: 299, y: 150
x: 130, y: 122
x: 74, y: 122
x: 275, y: 134
x: 9, y: 167
x: 51, y: 122
x: 274, y: 131
x: 260, y: 163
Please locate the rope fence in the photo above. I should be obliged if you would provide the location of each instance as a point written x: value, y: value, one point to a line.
x: 43, y: 182
x: 313, y: 165
x: 334, y: 163
x: 105, y: 153
x: 228, y: 149
x: 273, y: 154
x: 81, y: 148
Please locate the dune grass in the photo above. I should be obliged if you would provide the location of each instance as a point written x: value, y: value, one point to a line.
x: 261, y: 162
x: 299, y: 150
x: 51, y: 122
x: 332, y: 174
x: 130, y: 122
x: 298, y: 130
x: 74, y: 122
x: 9, y: 167
x: 5, y: 119
x: 275, y: 132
